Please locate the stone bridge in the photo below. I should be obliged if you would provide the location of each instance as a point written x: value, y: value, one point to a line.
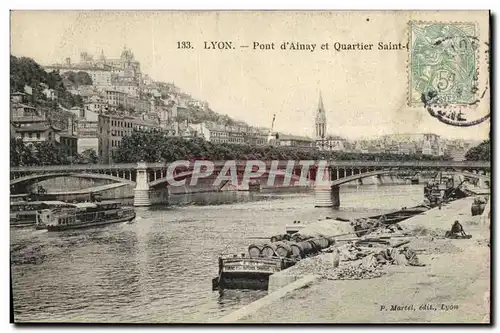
x: 151, y: 180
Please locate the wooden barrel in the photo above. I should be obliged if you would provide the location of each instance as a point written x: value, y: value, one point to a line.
x: 276, y: 238
x: 302, y: 249
x: 477, y: 209
x: 268, y: 250
x: 320, y: 243
x: 283, y: 250
x: 279, y: 238
x: 254, y: 250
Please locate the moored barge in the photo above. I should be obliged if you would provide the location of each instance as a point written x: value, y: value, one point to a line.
x: 247, y: 273
x: 253, y: 271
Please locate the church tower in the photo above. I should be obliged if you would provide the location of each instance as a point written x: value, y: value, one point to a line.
x: 320, y: 127
x: 102, y: 57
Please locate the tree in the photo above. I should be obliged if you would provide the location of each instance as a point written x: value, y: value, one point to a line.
x: 156, y: 147
x: 49, y: 153
x: 46, y: 153
x: 79, y: 78
x: 20, y: 154
x: 83, y: 78
x: 481, y: 152
x: 132, y: 148
x: 88, y: 156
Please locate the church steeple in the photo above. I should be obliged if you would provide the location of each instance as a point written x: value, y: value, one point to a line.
x: 102, y: 58
x: 320, y: 104
x: 320, y: 127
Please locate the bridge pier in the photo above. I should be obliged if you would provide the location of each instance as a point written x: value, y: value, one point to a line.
x: 335, y: 196
x: 322, y: 191
x: 322, y: 198
x: 141, y: 191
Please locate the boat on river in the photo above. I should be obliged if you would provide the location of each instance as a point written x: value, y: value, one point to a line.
x: 400, y: 215
x: 84, y: 215
x: 23, y: 213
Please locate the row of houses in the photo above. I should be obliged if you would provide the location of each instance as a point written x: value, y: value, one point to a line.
x: 104, y: 133
x: 32, y: 125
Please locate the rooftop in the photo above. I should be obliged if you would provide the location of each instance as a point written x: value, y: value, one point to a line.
x: 80, y: 67
x: 35, y: 128
x: 23, y: 105
x: 66, y: 135
x: 28, y: 119
x: 294, y: 137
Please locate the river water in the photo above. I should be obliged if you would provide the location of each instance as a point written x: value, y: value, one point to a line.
x: 159, y: 269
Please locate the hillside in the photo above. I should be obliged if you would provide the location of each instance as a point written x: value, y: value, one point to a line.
x: 75, y: 79
x: 27, y: 72
x: 196, y: 115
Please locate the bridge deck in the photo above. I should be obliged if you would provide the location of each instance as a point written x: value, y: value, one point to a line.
x: 331, y: 163
x: 89, y: 190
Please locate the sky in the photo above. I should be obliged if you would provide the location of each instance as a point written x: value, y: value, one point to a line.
x: 364, y: 92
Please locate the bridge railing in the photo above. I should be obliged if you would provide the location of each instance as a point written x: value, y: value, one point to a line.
x: 443, y: 164
x: 331, y: 163
x: 74, y: 167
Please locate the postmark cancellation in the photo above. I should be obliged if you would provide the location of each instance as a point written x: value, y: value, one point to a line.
x: 444, y: 71
x: 443, y: 63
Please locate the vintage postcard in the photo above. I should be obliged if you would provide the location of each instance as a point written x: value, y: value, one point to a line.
x: 250, y: 167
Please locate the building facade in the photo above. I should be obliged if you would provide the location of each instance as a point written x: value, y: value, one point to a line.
x: 112, y: 129
x: 286, y: 140
x: 217, y: 133
x: 115, y: 98
x: 88, y: 137
x: 38, y: 130
x: 331, y: 143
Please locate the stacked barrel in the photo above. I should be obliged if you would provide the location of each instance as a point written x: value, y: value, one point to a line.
x: 281, y: 246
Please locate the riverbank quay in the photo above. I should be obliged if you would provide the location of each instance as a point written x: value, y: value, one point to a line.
x: 452, y: 287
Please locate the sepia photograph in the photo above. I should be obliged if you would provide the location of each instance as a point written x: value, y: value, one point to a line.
x: 250, y: 167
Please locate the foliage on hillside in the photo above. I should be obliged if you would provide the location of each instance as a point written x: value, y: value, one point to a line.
x: 76, y: 79
x: 46, y: 153
x: 481, y: 152
x: 27, y: 72
x: 196, y: 115
x: 155, y: 147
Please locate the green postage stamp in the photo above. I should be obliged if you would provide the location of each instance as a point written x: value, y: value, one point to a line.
x: 443, y: 63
